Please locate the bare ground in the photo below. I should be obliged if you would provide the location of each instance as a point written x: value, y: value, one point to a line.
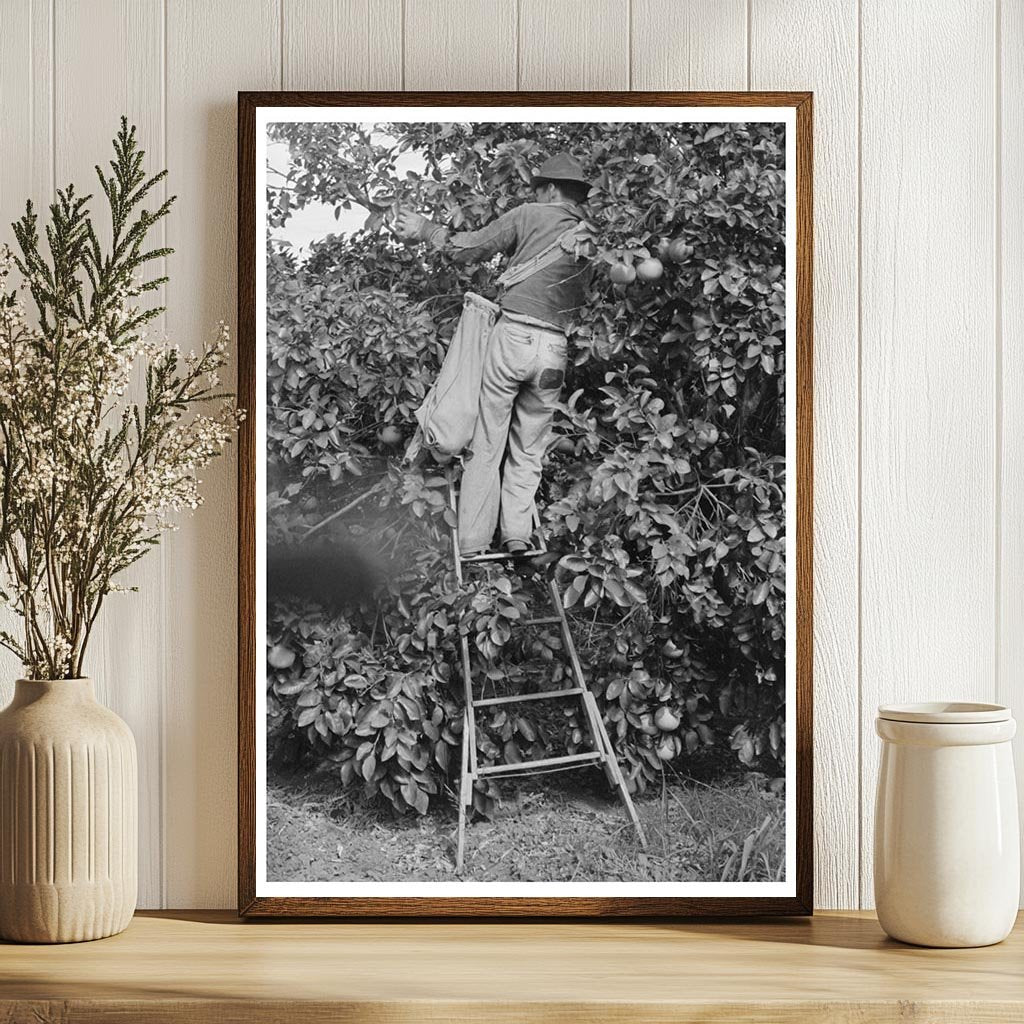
x: 543, y: 830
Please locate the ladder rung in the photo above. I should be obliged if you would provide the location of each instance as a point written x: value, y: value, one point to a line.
x: 517, y: 697
x: 525, y: 766
x: 503, y: 556
x: 544, y: 621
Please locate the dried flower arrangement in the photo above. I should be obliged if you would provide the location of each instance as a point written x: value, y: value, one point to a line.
x: 102, y: 429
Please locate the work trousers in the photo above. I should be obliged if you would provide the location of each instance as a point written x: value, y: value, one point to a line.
x: 520, y: 386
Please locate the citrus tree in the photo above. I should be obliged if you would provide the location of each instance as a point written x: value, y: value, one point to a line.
x: 663, y: 491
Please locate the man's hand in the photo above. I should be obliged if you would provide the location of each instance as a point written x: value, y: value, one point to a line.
x: 411, y: 226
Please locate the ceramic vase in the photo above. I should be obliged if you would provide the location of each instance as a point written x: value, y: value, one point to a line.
x: 947, y: 847
x: 68, y: 815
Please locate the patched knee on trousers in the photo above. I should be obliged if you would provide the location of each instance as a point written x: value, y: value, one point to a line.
x: 550, y: 379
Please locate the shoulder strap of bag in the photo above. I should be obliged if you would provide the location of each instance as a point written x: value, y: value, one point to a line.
x: 521, y: 271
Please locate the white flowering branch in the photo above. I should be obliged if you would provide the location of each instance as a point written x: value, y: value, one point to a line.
x: 89, y: 478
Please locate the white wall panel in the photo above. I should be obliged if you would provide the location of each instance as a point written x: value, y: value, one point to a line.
x: 1010, y: 370
x: 459, y: 44
x: 928, y: 359
x: 26, y: 169
x: 213, y: 51
x: 781, y: 59
x: 26, y: 106
x: 126, y: 652
x: 689, y: 44
x: 574, y: 44
x: 342, y: 44
x: 919, y: 325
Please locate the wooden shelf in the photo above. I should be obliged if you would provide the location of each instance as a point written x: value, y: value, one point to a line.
x: 203, y: 967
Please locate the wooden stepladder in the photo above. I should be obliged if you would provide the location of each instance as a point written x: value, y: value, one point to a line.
x: 602, y: 753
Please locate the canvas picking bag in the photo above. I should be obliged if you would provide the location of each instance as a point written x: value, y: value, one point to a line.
x: 448, y: 413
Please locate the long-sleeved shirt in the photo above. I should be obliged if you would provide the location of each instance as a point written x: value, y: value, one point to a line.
x: 552, y: 294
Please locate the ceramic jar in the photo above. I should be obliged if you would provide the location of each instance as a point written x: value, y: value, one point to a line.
x: 68, y: 815
x: 947, y: 847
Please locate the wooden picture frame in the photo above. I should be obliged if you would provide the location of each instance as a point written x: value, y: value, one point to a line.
x: 251, y: 902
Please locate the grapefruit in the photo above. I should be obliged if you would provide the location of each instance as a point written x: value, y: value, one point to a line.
x: 665, y: 720
x: 390, y: 436
x: 666, y: 749
x: 650, y: 270
x: 622, y: 273
x: 678, y: 250
x: 280, y: 656
x: 670, y: 650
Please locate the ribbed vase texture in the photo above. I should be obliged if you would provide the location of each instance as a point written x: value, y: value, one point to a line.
x: 68, y: 815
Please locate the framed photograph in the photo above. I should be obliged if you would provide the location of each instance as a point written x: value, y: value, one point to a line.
x: 525, y: 504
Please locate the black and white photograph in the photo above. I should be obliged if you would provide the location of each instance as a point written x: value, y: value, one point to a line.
x: 525, y: 517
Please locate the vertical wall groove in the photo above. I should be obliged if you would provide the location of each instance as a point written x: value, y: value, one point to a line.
x: 31, y: 82
x: 997, y: 232
x: 860, y: 459
x: 53, y: 96
x: 629, y: 43
x: 1010, y: 269
x: 162, y: 626
x: 519, y: 36
x: 749, y: 24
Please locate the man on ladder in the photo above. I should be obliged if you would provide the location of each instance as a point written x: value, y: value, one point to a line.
x: 515, y: 353
x: 524, y: 363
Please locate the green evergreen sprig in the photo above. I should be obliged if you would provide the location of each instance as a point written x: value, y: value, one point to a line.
x: 91, y: 470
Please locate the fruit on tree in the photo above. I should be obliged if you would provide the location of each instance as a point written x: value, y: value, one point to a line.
x: 678, y: 250
x: 280, y: 656
x: 622, y: 273
x: 670, y: 650
x: 666, y: 749
x: 647, y: 726
x: 650, y: 269
x: 390, y: 436
x: 665, y: 720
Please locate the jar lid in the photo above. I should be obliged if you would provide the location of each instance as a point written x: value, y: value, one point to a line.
x: 945, y: 713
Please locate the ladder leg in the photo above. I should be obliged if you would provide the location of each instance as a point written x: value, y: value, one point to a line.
x: 468, y: 769
x: 616, y: 776
x: 598, y: 736
x: 453, y: 507
x: 465, y: 795
x: 627, y: 800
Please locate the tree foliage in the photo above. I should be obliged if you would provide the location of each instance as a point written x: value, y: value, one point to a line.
x: 664, y: 490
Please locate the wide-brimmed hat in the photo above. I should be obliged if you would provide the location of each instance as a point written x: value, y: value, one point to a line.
x: 560, y: 167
